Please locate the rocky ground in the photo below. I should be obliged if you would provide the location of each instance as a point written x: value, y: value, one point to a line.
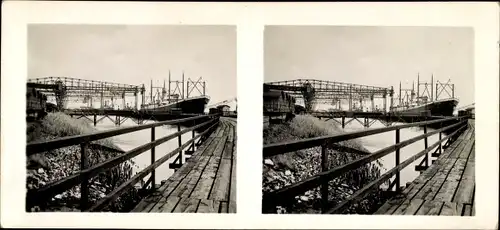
x: 283, y: 170
x: 51, y: 166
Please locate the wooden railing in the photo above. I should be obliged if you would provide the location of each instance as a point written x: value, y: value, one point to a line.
x: 286, y: 194
x: 40, y: 195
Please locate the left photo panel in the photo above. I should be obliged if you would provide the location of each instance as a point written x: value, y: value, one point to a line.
x: 131, y: 118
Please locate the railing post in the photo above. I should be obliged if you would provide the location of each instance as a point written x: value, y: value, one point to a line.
x: 343, y: 121
x: 84, y: 186
x: 440, y: 146
x: 398, y: 180
x: 192, y: 137
x: 95, y: 120
x: 180, y: 144
x: 426, y: 145
x: 153, y: 159
x: 324, y: 186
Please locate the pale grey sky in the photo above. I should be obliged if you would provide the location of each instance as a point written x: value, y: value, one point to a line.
x: 377, y: 56
x: 135, y: 54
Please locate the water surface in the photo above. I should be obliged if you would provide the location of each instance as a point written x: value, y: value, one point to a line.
x: 379, y: 141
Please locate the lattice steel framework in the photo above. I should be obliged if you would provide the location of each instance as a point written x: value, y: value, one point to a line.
x: 330, y: 92
x: 63, y: 88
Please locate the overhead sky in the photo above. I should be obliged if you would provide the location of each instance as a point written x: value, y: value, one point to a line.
x: 135, y: 54
x: 376, y: 56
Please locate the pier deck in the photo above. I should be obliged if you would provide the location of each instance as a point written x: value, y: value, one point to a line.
x: 206, y: 183
x: 445, y: 188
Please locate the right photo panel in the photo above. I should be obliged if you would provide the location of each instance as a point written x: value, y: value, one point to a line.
x: 368, y: 120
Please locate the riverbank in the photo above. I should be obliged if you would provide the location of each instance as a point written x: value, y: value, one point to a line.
x: 285, y: 169
x: 48, y: 167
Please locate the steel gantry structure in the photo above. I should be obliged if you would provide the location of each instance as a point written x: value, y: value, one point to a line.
x: 63, y: 88
x: 330, y: 92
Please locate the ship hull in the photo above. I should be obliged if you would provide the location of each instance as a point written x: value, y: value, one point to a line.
x: 438, y: 108
x: 186, y: 106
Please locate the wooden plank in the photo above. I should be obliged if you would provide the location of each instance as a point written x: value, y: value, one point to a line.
x: 187, y: 204
x: 466, y: 187
x: 223, y: 207
x: 413, y: 207
x: 212, y: 147
x: 390, y: 206
x: 423, y: 179
x: 232, y: 192
x: 177, y: 178
x: 467, y: 210
x: 220, y: 189
x: 147, y: 203
x: 450, y: 185
x: 472, y: 156
x: 159, y: 204
x: 164, y: 190
x: 447, y: 152
x: 203, y: 146
x: 454, y: 145
x: 191, y: 179
x: 221, y: 141
x: 202, y: 189
x: 208, y: 206
x: 217, y: 130
x: 165, y: 205
x: 430, y: 207
x: 470, y: 134
x: 228, y: 149
x: 456, y: 152
x: 434, y: 184
x: 419, y: 184
x: 231, y: 131
x: 170, y: 204
x: 223, y: 129
x: 233, y: 156
x: 402, y: 207
x: 465, y: 133
x: 467, y: 150
x: 451, y: 209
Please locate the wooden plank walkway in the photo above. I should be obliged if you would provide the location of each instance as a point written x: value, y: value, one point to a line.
x: 206, y: 183
x: 445, y: 188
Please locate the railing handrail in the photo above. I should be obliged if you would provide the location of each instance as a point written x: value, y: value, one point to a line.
x: 387, y: 175
x: 281, y: 195
x: 285, y: 147
x: 115, y: 193
x: 42, y: 146
x: 315, y: 180
x: 38, y: 195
